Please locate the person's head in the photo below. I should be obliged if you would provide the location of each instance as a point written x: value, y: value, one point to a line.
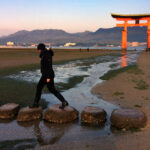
x: 41, y: 47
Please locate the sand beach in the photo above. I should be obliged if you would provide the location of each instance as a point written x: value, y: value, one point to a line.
x: 130, y: 90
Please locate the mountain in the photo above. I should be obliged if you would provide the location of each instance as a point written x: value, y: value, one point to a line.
x: 56, y: 37
x: 134, y: 34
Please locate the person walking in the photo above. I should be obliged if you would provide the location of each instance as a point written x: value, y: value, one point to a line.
x: 47, y: 77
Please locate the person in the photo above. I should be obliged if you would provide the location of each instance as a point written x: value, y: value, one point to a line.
x: 47, y: 77
x: 87, y: 49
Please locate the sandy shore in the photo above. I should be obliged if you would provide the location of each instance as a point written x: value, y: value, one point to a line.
x: 123, y: 90
x: 125, y: 85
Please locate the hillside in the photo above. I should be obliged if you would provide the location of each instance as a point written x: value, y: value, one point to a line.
x: 56, y: 37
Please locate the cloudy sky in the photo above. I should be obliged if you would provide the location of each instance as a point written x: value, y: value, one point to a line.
x: 69, y: 15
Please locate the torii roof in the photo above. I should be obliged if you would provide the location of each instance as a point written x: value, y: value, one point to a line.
x: 132, y: 16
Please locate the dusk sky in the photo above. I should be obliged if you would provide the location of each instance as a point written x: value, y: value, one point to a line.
x: 69, y: 15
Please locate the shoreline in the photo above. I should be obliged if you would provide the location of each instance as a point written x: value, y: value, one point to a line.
x: 129, y: 89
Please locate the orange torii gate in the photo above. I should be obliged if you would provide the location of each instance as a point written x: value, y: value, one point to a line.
x: 137, y: 19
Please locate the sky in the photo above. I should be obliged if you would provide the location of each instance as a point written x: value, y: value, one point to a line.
x: 69, y: 15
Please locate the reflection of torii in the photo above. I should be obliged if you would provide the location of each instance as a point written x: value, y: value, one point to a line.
x: 124, y: 59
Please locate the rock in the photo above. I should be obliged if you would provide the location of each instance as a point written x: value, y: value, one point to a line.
x: 56, y: 115
x: 9, y: 111
x: 29, y: 114
x: 93, y: 115
x: 128, y: 118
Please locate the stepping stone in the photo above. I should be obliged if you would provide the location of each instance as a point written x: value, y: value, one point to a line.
x: 93, y: 115
x: 29, y: 114
x: 56, y: 115
x: 9, y: 111
x: 128, y: 118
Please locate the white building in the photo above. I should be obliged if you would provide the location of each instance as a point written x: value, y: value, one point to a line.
x: 10, y: 43
x: 69, y: 44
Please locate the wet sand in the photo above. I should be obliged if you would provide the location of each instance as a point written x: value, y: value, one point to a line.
x: 10, y: 57
x: 123, y: 91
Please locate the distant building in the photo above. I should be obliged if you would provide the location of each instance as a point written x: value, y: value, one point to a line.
x: 110, y: 45
x: 69, y: 44
x: 33, y: 45
x: 134, y: 44
x: 143, y: 44
x: 10, y: 43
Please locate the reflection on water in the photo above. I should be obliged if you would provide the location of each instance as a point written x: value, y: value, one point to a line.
x: 43, y: 133
x: 39, y: 133
x: 124, y: 59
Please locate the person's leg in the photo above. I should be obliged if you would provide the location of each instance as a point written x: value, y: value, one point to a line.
x: 39, y: 88
x: 52, y: 89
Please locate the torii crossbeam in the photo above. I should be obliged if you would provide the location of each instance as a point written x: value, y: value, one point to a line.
x: 137, y: 18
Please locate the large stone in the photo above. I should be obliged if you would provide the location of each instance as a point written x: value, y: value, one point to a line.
x: 128, y: 118
x: 56, y: 115
x: 9, y: 111
x: 93, y: 115
x: 29, y: 114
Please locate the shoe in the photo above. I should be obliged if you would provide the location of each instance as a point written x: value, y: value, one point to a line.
x: 64, y: 104
x: 34, y: 106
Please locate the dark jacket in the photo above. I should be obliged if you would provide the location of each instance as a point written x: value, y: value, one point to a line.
x: 46, y: 63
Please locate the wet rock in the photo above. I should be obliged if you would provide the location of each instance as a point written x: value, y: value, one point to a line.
x: 56, y: 115
x: 9, y: 111
x: 128, y: 118
x: 29, y: 114
x: 93, y: 115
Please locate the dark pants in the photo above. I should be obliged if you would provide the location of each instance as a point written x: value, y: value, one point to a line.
x: 51, y: 88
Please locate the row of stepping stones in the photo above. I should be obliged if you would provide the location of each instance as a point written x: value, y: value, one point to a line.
x: 120, y: 118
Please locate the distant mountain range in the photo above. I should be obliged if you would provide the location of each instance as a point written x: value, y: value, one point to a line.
x: 58, y: 37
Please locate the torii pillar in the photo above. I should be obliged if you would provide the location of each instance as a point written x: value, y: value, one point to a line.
x: 125, y: 24
x: 124, y: 37
x: 148, y: 35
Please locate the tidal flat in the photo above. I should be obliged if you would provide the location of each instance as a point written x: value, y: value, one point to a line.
x: 81, y: 75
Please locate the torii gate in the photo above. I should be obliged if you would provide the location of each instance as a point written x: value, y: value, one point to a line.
x: 137, y: 19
